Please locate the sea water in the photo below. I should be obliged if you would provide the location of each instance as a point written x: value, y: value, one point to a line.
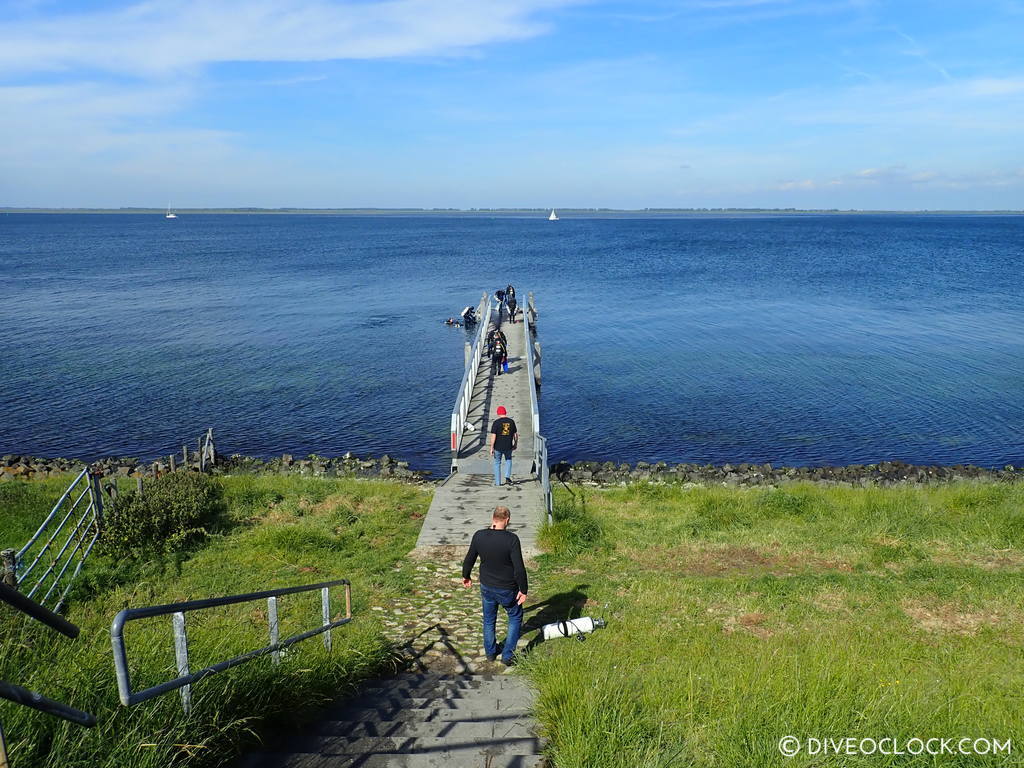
x: 794, y: 339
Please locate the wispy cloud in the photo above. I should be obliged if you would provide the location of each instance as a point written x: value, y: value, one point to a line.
x: 917, y: 51
x: 166, y: 36
x: 902, y: 176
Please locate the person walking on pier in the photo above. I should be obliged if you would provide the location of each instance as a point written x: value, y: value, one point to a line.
x: 499, y: 354
x: 503, y: 582
x: 504, y: 439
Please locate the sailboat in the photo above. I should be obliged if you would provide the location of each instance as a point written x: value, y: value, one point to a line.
x: 170, y: 215
x: 553, y: 216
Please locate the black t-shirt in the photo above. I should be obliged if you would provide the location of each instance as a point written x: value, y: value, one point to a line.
x: 503, y: 429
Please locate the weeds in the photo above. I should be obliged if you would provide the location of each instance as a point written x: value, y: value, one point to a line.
x: 233, y: 710
x: 736, y: 617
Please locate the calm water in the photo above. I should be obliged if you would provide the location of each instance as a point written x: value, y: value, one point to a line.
x: 795, y: 340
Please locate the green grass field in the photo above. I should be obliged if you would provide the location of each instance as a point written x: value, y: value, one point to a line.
x: 737, y: 617
x: 281, y: 531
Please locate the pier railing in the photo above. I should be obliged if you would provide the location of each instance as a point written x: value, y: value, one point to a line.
x: 177, y: 611
x: 461, y: 409
x: 540, y: 444
x: 40, y: 569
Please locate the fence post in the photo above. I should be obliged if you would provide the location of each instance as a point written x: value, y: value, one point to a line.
x: 96, y: 497
x: 138, y: 485
x: 184, y: 456
x: 275, y: 628
x: 468, y: 352
x: 199, y: 452
x: 181, y: 656
x: 325, y: 606
x: 9, y: 557
x: 173, y: 463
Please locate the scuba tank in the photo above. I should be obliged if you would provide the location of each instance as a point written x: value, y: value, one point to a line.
x: 572, y: 628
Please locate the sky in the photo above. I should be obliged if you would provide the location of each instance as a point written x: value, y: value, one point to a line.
x: 865, y: 104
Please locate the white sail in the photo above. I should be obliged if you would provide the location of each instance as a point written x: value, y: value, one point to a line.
x: 553, y: 216
x: 170, y: 215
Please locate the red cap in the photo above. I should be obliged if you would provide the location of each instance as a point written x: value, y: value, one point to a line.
x: 501, y: 410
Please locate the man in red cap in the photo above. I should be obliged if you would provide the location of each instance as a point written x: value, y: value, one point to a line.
x: 504, y: 439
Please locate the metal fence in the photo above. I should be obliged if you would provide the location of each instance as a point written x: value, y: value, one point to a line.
x: 40, y: 569
x: 540, y: 457
x: 24, y: 696
x: 461, y: 409
x: 540, y: 443
x: 186, y: 678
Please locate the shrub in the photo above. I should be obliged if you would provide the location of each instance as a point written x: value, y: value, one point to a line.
x: 174, y: 511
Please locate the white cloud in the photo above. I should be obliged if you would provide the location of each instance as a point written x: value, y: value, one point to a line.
x: 900, y: 176
x: 86, y: 138
x: 164, y: 36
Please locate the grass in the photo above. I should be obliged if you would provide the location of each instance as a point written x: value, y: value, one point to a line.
x: 737, y: 617
x: 24, y: 505
x: 281, y: 531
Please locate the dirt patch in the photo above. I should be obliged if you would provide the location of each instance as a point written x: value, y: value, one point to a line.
x: 751, y: 623
x: 732, y: 560
x: 946, y: 618
x: 995, y: 560
x: 329, y: 504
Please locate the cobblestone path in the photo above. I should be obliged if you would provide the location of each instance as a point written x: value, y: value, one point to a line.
x: 437, y: 628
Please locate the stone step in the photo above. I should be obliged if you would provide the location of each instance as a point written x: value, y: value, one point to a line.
x: 401, y: 714
x: 461, y: 709
x: 459, y: 730
x: 418, y: 760
x: 455, y: 690
x: 460, y: 681
x: 407, y: 745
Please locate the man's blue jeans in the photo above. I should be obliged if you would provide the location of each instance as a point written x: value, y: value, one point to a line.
x: 498, y: 456
x: 493, y: 597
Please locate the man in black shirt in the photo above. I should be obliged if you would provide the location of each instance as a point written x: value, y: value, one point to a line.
x: 502, y: 581
x: 504, y: 439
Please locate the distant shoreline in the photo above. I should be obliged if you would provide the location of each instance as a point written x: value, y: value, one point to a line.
x: 512, y: 212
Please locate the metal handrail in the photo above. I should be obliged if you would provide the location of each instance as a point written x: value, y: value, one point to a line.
x: 177, y: 611
x: 24, y: 696
x: 544, y: 472
x: 534, y: 408
x: 40, y: 613
x: 540, y: 443
x: 37, y: 701
x: 461, y: 410
x: 83, y: 531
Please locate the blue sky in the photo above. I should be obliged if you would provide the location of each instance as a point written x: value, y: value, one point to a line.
x: 471, y: 103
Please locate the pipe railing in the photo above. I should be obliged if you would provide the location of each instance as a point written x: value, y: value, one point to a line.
x: 186, y: 678
x: 461, y: 410
x: 544, y: 472
x: 56, y: 546
x: 540, y: 443
x: 24, y: 696
x: 528, y: 354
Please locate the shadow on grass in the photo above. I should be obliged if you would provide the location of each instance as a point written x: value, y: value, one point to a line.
x: 559, y: 607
